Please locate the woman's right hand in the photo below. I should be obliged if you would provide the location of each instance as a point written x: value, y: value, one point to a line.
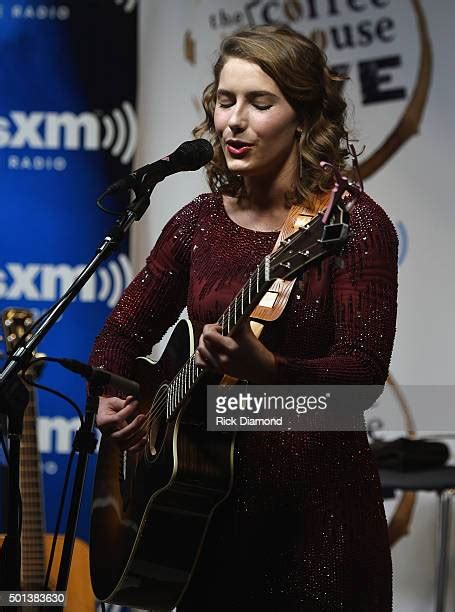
x: 114, y: 420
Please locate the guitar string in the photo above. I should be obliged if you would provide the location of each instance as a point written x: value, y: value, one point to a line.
x: 156, y: 410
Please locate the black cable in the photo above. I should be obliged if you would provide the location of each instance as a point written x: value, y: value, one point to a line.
x: 59, y: 517
x: 114, y: 213
x: 53, y: 391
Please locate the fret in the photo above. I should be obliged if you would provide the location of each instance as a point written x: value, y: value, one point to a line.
x: 242, y: 311
x: 235, y: 308
x: 180, y: 394
x: 229, y: 319
x: 257, y: 280
x: 188, y: 376
x: 177, y: 390
x: 169, y: 400
x: 249, y: 291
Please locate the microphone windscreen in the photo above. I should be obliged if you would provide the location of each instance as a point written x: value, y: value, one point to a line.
x: 193, y: 154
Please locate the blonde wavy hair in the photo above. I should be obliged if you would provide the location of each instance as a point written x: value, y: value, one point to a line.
x: 300, y: 70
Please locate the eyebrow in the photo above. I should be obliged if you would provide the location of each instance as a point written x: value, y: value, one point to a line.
x: 250, y: 94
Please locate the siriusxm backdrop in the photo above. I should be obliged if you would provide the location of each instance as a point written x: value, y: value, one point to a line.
x: 67, y: 130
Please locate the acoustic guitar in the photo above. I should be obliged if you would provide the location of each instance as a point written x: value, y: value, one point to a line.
x: 151, y: 510
x: 35, y: 545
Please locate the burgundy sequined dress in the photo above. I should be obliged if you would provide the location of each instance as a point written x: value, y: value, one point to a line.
x: 304, y: 527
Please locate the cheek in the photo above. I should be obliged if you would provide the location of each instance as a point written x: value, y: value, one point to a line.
x: 278, y: 137
x: 219, y: 121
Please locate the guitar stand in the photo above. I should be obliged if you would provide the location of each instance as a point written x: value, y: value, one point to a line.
x: 84, y: 444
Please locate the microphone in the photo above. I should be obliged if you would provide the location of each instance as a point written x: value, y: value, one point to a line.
x: 190, y: 155
x: 101, y: 377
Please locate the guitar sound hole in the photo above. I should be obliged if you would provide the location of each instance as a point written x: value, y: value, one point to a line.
x: 157, y: 424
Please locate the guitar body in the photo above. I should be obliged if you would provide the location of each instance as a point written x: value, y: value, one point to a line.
x: 79, y: 593
x: 151, y: 510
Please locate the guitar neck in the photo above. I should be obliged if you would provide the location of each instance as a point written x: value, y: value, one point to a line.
x: 32, y: 503
x: 240, y: 308
x: 16, y: 323
x: 247, y: 298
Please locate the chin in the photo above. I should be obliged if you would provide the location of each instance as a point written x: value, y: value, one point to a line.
x: 241, y: 167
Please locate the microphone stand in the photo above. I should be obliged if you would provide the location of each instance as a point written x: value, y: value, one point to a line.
x: 14, y: 398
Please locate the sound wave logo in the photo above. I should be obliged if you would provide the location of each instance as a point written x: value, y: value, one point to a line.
x: 128, y: 5
x: 113, y: 280
x: 115, y: 132
x: 47, y: 282
x: 120, y: 132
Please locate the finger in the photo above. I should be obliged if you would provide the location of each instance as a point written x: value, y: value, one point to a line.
x: 208, y: 360
x: 209, y: 327
x: 112, y: 403
x: 129, y: 430
x: 129, y: 408
x: 220, y: 345
x: 139, y: 446
x: 198, y: 359
x: 132, y: 441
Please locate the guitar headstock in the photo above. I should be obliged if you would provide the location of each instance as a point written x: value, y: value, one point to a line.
x: 324, y: 234
x: 16, y: 323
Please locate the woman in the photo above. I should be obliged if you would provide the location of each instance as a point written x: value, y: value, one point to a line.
x: 304, y: 526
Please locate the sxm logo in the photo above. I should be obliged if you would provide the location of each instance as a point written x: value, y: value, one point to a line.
x: 67, y: 131
x: 37, y: 282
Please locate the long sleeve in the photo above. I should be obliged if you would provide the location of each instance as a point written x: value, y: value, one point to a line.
x: 154, y: 299
x: 364, y: 298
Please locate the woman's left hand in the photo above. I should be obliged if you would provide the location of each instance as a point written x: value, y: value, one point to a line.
x: 241, y: 355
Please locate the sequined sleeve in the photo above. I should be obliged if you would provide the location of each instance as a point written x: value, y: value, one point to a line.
x: 154, y: 299
x: 364, y: 298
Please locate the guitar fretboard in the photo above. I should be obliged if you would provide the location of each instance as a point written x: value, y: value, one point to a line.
x: 241, y: 306
x: 32, y: 506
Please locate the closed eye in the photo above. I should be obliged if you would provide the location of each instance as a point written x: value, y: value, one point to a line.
x: 262, y: 107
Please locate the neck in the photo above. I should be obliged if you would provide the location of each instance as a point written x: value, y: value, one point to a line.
x: 268, y: 191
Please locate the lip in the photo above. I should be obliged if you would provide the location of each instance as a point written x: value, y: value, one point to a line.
x: 237, y: 147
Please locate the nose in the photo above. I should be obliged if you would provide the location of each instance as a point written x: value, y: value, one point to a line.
x: 238, y: 120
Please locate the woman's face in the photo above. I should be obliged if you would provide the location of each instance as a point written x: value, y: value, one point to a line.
x: 255, y: 124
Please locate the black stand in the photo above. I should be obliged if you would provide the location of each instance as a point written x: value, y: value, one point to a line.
x: 85, y: 444
x: 14, y: 398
